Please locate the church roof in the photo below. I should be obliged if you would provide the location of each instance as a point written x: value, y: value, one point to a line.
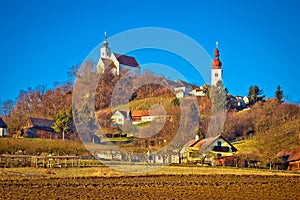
x: 217, y: 64
x: 108, y: 62
x: 126, y: 60
x: 2, y: 123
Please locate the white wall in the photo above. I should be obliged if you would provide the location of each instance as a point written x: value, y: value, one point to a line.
x: 3, y: 132
x: 118, y: 118
x: 215, y: 79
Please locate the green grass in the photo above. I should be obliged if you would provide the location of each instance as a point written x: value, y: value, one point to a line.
x: 245, y: 146
x: 144, y: 104
x: 116, y: 139
x: 143, y: 124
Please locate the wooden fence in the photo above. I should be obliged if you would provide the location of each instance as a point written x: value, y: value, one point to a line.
x: 39, y: 161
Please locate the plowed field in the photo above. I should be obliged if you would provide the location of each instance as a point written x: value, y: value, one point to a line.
x: 154, y: 187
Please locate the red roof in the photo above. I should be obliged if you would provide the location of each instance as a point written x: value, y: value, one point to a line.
x: 140, y: 113
x: 127, y: 60
x: 105, y: 113
x: 217, y: 63
x: 289, y: 155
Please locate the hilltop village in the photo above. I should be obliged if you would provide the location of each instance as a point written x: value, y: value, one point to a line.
x: 132, y: 126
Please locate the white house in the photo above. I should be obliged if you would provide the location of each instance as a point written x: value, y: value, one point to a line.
x: 3, y: 128
x: 114, y: 61
x: 120, y: 117
x: 199, y: 91
x: 140, y: 116
x: 183, y: 89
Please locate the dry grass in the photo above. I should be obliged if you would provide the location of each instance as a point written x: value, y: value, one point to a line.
x: 139, y: 169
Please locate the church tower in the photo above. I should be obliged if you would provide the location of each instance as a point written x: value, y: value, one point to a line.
x: 105, y: 50
x: 216, y: 70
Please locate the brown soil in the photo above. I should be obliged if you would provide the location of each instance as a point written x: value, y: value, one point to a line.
x: 154, y: 187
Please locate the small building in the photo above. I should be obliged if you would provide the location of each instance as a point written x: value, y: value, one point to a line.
x: 183, y: 89
x: 290, y: 158
x: 39, y: 128
x: 200, y: 91
x: 120, y: 117
x: 3, y: 128
x: 212, y: 150
x: 140, y: 116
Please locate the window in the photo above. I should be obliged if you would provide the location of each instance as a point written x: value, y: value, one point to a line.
x: 216, y: 74
x: 219, y: 143
x: 152, y: 143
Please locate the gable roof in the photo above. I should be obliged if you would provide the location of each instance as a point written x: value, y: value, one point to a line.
x: 105, y: 113
x: 204, y: 143
x: 140, y: 113
x: 108, y: 62
x: 289, y: 155
x: 124, y: 113
x: 2, y: 123
x: 40, y: 123
x: 181, y: 83
x: 126, y: 60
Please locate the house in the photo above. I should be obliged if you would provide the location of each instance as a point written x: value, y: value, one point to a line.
x: 114, y: 61
x: 200, y: 91
x: 211, y: 150
x: 291, y: 158
x: 120, y: 117
x: 39, y: 128
x: 3, y: 128
x: 140, y: 116
x: 183, y: 89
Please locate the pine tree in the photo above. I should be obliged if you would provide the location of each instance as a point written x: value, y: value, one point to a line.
x: 279, y: 95
x: 63, y: 122
x: 255, y: 94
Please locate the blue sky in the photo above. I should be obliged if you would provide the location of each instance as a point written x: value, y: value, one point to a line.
x: 258, y: 40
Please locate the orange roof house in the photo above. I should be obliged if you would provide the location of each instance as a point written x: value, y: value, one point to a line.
x: 210, y: 149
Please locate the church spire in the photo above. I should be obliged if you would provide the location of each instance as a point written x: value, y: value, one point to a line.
x: 105, y: 50
x: 216, y: 70
x: 105, y: 42
x: 217, y: 64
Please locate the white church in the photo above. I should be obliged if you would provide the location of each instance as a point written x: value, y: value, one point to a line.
x: 114, y: 61
x: 216, y: 70
x: 183, y: 89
